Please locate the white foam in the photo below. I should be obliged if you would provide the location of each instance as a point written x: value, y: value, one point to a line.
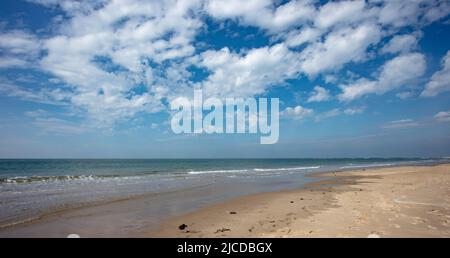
x: 246, y: 170
x: 217, y: 171
x: 284, y: 169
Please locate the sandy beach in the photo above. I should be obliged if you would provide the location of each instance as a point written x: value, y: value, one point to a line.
x: 408, y: 201
x: 388, y: 202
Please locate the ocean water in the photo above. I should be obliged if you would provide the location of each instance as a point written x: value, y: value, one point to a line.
x: 30, y: 188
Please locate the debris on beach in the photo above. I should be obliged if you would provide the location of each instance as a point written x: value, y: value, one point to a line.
x: 182, y: 226
x: 232, y: 212
x: 222, y: 230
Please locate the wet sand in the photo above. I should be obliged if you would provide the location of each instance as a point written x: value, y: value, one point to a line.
x: 387, y: 202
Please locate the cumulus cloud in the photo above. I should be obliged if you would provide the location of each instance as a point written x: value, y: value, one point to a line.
x: 247, y: 74
x: 401, y: 44
x: 319, y: 94
x: 126, y: 36
x: 297, y: 112
x: 440, y: 81
x: 262, y: 13
x: 298, y: 37
x: 398, y: 13
x: 398, y: 72
x: 340, y: 47
x: 357, y: 89
x: 443, y: 116
x: 336, y: 13
x: 120, y: 58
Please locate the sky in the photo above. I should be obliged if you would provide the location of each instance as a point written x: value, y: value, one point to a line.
x: 94, y: 79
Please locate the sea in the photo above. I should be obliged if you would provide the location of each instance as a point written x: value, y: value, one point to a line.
x: 31, y: 188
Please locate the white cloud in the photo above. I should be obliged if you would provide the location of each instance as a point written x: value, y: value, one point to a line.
x: 272, y: 16
x: 248, y: 74
x: 120, y: 58
x: 298, y: 37
x: 297, y: 112
x: 357, y: 89
x: 440, y: 81
x: 70, y: 6
x: 42, y: 95
x: 18, y: 42
x: 223, y: 9
x: 437, y: 11
x: 404, y: 123
x: 262, y: 13
x: 401, y: 44
x: 319, y: 94
x: 127, y: 35
x: 443, y: 116
x: 330, y: 78
x: 398, y: 13
x: 398, y: 72
x: 335, y: 13
x: 354, y: 111
x: 18, y: 49
x: 340, y: 47
x: 10, y: 62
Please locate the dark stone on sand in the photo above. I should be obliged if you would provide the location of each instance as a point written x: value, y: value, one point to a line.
x: 292, y: 201
x: 182, y: 227
x: 222, y: 230
x: 233, y: 212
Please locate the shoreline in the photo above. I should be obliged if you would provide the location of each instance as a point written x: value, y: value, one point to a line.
x: 317, y: 197
x: 81, y: 205
x: 404, y: 201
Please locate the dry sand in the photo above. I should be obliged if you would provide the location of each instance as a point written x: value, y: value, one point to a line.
x: 387, y: 202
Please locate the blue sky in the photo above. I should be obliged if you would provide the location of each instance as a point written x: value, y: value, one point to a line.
x: 93, y: 80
